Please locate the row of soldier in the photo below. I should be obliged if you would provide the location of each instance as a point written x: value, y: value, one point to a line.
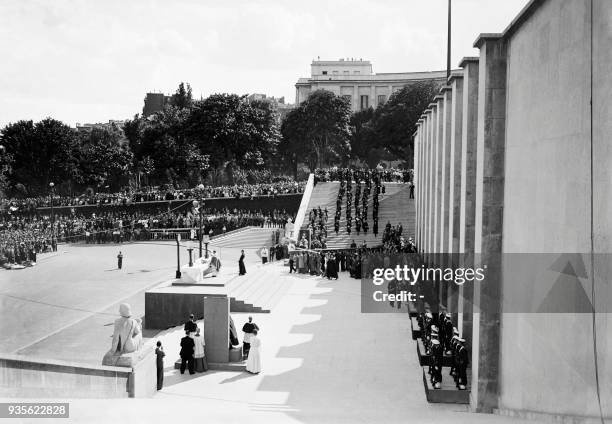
x: 441, y: 338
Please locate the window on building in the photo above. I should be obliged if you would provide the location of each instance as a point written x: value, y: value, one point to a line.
x: 356, y: 72
x: 348, y: 98
x: 382, y: 99
x: 324, y: 72
x: 364, y: 102
x: 346, y: 72
x: 335, y: 72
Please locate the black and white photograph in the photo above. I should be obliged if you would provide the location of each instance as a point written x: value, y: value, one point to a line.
x: 272, y: 211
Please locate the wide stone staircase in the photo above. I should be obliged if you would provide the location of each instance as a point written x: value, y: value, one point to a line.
x: 260, y: 290
x: 245, y: 238
x: 395, y: 206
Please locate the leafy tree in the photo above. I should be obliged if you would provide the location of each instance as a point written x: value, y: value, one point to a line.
x: 233, y: 132
x: 105, y: 157
x: 395, y: 121
x: 321, y: 123
x: 293, y: 146
x: 182, y: 98
x: 41, y: 153
x: 363, y: 136
x: 162, y: 140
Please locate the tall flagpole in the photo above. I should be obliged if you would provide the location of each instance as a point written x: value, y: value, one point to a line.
x: 448, y: 45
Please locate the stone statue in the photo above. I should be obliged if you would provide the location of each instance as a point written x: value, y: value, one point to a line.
x: 127, y: 339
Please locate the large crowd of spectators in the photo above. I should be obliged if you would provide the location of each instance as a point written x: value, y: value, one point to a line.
x: 154, y: 194
x: 22, y: 237
x: 388, y: 175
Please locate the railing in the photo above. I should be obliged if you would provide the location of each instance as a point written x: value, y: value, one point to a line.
x: 299, y: 218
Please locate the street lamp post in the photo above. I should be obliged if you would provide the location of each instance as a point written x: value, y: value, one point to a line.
x: 178, y: 257
x: 199, y: 205
x: 190, y: 250
x: 52, y: 185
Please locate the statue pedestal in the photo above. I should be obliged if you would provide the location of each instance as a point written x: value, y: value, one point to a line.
x: 126, y: 359
x: 142, y: 368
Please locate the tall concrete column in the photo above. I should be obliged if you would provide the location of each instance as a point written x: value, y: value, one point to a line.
x: 427, y: 185
x: 467, y: 193
x: 488, y: 230
x: 454, y: 193
x: 356, y: 99
x: 432, y: 180
x: 447, y: 94
x: 419, y: 186
x: 416, y: 166
x: 424, y: 185
x: 439, y: 156
x: 373, y: 100
x: 454, y: 196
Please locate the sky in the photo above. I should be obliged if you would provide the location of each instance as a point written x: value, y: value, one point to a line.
x: 91, y: 61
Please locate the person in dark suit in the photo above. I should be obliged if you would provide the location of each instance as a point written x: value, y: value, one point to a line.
x: 187, y: 348
x: 241, y: 267
x: 119, y: 260
x: 190, y: 326
x: 159, y: 354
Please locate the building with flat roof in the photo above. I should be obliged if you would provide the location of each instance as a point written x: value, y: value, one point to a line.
x: 354, y: 80
x: 154, y: 102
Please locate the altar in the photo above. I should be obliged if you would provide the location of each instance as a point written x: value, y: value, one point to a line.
x: 201, y: 269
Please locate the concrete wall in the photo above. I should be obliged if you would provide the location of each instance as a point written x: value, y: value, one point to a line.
x: 25, y: 377
x: 170, y: 306
x: 548, y: 201
x: 535, y: 178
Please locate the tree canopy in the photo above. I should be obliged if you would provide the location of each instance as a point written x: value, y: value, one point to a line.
x: 391, y: 126
x: 317, y: 131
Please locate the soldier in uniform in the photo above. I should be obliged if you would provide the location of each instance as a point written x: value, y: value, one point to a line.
x: 448, y: 333
x: 436, y: 360
x: 119, y: 260
x: 462, y: 364
x: 453, y: 368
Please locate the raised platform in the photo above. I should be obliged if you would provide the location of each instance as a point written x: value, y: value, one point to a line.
x: 448, y: 393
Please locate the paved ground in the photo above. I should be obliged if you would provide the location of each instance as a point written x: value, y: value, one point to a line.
x: 69, y: 300
x: 323, y: 361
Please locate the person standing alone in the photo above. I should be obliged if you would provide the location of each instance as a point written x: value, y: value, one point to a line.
x: 248, y: 329
x: 119, y: 260
x: 241, y: 267
x: 159, y: 353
